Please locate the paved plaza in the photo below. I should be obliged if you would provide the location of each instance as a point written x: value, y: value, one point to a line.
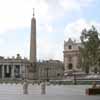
x: 53, y: 92
x: 50, y: 90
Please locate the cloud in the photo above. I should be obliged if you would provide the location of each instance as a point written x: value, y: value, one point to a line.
x: 1, y: 41
x: 75, y: 5
x: 47, y: 49
x: 15, y: 14
x: 47, y: 13
x: 73, y: 30
x: 70, y: 5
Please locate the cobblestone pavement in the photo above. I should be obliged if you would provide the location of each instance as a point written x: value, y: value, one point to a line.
x: 53, y: 92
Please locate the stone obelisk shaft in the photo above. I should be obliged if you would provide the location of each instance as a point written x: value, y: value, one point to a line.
x: 33, y: 40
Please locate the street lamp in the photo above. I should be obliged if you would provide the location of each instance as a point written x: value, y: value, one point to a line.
x: 74, y: 75
x: 47, y: 74
x: 99, y: 66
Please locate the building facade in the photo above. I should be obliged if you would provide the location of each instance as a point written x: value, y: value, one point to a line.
x: 14, y: 68
x: 71, y: 56
x: 50, y: 70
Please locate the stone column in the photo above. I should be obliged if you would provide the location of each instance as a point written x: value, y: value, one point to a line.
x: 26, y: 71
x: 20, y: 70
x: 2, y: 71
x: 7, y: 71
x: 12, y: 72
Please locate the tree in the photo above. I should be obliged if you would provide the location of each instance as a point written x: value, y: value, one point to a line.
x: 89, y: 52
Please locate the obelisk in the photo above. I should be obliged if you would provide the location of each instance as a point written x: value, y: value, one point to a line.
x: 33, y: 40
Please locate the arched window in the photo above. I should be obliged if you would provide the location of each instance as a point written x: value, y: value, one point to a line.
x: 95, y: 70
x: 69, y: 47
x: 58, y: 74
x: 70, y: 66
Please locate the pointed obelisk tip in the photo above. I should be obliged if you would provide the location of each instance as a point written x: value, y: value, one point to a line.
x: 33, y: 11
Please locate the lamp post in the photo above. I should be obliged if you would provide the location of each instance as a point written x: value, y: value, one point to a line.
x: 47, y: 74
x: 43, y: 85
x: 74, y: 75
x: 99, y: 66
x: 25, y: 85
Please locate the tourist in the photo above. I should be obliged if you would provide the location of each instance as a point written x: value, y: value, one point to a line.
x: 25, y: 87
x: 43, y: 87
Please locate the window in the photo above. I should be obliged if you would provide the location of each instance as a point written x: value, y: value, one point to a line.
x: 7, y: 71
x: 17, y: 71
x: 69, y: 47
x: 95, y: 70
x: 70, y: 66
x: 58, y: 74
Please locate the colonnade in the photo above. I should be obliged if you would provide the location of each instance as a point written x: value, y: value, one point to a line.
x: 10, y: 71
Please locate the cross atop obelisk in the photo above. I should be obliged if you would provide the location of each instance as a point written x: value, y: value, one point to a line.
x: 33, y: 11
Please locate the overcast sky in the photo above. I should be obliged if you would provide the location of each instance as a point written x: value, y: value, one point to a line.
x: 57, y: 20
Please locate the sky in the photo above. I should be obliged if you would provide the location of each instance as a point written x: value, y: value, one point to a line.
x: 57, y: 20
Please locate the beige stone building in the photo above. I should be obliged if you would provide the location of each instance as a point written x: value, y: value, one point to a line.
x: 50, y: 70
x: 14, y: 68
x: 18, y: 68
x: 71, y: 56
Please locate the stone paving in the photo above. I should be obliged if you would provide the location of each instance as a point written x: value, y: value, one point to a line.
x: 53, y: 92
